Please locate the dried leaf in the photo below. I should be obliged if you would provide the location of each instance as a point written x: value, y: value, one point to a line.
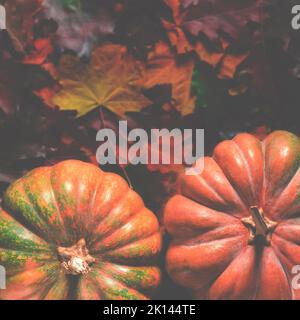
x: 177, y: 37
x: 216, y: 56
x: 110, y: 80
x: 163, y: 69
x: 226, y: 62
x: 211, y: 16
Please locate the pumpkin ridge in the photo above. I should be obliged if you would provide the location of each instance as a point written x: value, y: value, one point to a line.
x: 48, y: 287
x: 278, y: 198
x: 112, y: 231
x: 64, y: 287
x: 24, y: 218
x: 96, y: 284
x: 281, y: 256
x: 102, y: 189
x: 133, y: 295
x: 209, y: 186
x: 246, y: 165
x: 269, y: 142
x: 93, y: 199
x: 191, y: 220
x: 37, y: 254
x: 107, y: 217
x: 40, y: 281
x: 16, y: 235
x: 263, y: 189
x: 17, y: 261
x: 103, y: 251
x: 199, y: 177
x: 85, y: 292
x: 231, y: 182
x: 54, y: 200
x: 285, y: 270
x: 278, y: 260
x: 278, y: 235
x: 217, y: 266
x: 254, y: 273
x: 31, y: 197
x: 290, y: 226
x: 111, y: 275
x: 107, y: 268
x: 110, y: 255
x: 190, y: 241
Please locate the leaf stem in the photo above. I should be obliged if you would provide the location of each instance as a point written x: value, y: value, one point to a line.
x: 102, y: 126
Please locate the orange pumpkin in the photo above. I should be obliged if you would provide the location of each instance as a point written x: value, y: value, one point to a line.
x: 72, y: 231
x: 236, y: 226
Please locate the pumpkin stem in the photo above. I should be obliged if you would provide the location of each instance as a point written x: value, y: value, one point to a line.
x: 76, y: 260
x: 259, y: 225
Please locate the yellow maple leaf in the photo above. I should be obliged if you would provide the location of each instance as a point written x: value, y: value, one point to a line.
x: 110, y: 80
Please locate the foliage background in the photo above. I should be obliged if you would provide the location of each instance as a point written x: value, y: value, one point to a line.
x: 71, y: 67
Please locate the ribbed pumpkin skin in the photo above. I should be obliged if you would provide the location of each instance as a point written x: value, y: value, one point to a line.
x: 211, y: 252
x: 57, y: 206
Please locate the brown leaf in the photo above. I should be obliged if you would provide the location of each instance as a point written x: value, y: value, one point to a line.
x: 211, y: 16
x: 217, y: 57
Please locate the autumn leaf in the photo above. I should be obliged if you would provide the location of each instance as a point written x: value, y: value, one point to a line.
x: 216, y: 56
x: 163, y: 68
x: 174, y: 29
x: 225, y: 61
x: 42, y: 48
x: 110, y: 80
x: 211, y: 16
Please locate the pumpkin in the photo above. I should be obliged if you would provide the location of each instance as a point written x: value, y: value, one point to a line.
x: 235, y: 227
x: 72, y: 231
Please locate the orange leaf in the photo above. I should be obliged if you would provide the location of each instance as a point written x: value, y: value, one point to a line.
x: 230, y: 64
x: 225, y: 61
x: 42, y: 49
x: 212, y: 58
x: 163, y: 69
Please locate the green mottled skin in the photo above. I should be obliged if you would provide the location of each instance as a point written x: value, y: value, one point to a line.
x: 57, y: 206
x: 123, y: 293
